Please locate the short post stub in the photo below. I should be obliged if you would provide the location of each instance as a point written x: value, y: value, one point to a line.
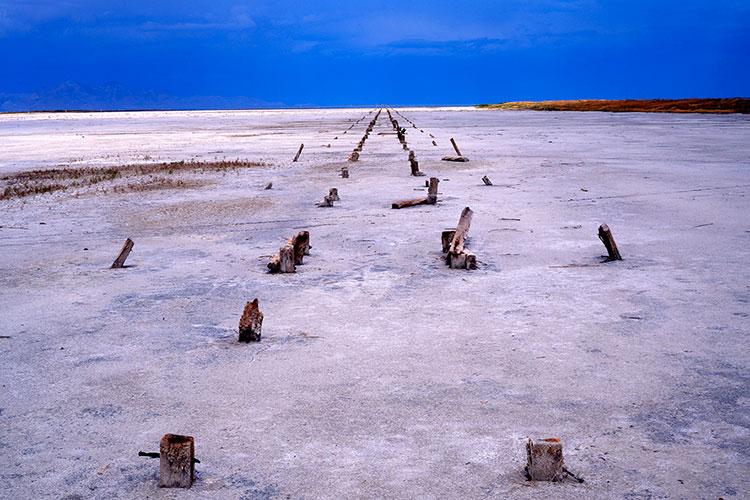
x: 544, y: 460
x: 176, y: 461
x: 251, y: 322
x: 120, y: 260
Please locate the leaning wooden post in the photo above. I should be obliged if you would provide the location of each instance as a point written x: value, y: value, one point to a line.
x: 299, y: 152
x: 432, y: 191
x: 609, y: 242
x: 455, y: 146
x: 544, y: 460
x: 251, y: 322
x: 176, y: 461
x: 487, y: 181
x: 120, y: 260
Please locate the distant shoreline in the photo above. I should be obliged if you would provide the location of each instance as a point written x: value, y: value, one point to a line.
x: 717, y: 105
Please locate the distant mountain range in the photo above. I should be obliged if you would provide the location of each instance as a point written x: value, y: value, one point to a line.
x: 74, y: 96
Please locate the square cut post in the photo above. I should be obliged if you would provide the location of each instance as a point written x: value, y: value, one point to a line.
x: 120, y: 260
x: 609, y: 242
x: 432, y: 190
x: 176, y: 461
x: 544, y: 460
x: 251, y: 322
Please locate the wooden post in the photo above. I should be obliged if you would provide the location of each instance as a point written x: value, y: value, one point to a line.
x: 334, y: 194
x: 176, y: 461
x: 344, y: 172
x: 286, y: 259
x: 301, y: 244
x: 609, y: 242
x: 120, y: 260
x: 446, y: 238
x: 327, y: 202
x: 455, y: 146
x: 415, y: 168
x: 283, y: 262
x: 432, y: 190
x: 299, y: 152
x: 269, y: 185
x: 544, y: 460
x: 487, y: 181
x: 434, y: 143
x: 251, y: 322
x: 464, y: 222
x: 354, y: 156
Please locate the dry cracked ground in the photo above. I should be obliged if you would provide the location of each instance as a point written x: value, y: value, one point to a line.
x: 381, y: 372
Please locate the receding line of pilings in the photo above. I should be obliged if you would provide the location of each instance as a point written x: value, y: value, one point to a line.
x: 358, y: 148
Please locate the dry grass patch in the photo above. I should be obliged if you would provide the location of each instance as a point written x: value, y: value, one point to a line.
x: 125, y: 178
x: 729, y: 105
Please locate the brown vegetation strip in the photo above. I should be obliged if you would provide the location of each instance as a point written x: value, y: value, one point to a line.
x: 729, y: 105
x: 33, y: 182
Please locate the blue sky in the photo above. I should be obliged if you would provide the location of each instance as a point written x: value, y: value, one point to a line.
x: 103, y: 54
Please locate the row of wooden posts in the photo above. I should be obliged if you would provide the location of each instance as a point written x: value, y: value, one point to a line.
x: 544, y: 458
x: 544, y: 461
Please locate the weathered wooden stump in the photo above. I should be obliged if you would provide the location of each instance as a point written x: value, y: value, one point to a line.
x: 544, y: 460
x: 354, y: 156
x: 269, y: 185
x: 334, y: 194
x: 327, y: 202
x: 283, y: 262
x: 176, y: 461
x: 456, y: 257
x: 487, y: 181
x: 415, y: 168
x: 432, y: 190
x: 455, y: 146
x: 301, y: 244
x: 447, y: 238
x: 251, y: 322
x: 299, y: 152
x: 344, y: 172
x: 609, y: 242
x: 120, y: 260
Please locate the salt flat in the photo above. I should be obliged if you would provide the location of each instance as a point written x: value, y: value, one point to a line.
x: 381, y: 373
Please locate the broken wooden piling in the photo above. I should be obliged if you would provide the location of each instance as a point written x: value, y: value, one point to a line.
x: 544, y: 460
x: 455, y: 146
x: 344, y: 172
x: 299, y: 152
x: 487, y: 181
x: 431, y: 198
x: 301, y: 244
x: 609, y: 242
x: 283, y: 262
x: 123, y: 255
x: 456, y: 256
x: 176, y: 461
x: 251, y: 323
